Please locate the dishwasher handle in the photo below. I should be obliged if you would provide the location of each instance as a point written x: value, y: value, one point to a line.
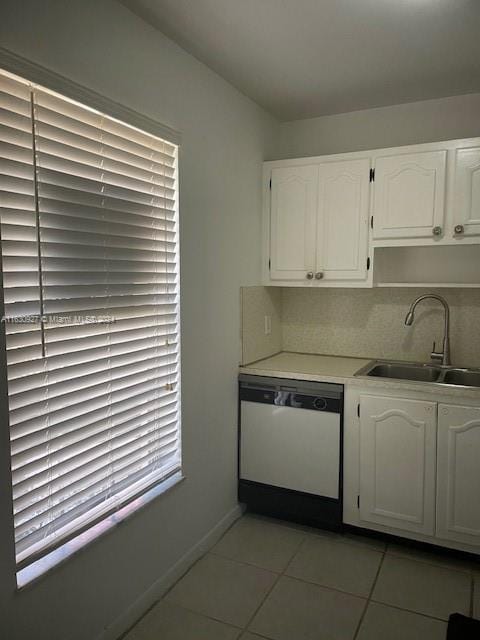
x: 265, y: 396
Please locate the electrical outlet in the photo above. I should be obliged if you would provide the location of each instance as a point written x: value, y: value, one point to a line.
x: 268, y: 325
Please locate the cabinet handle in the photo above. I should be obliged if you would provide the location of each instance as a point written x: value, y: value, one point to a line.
x: 459, y: 228
x: 319, y: 275
x: 437, y: 231
x: 309, y: 275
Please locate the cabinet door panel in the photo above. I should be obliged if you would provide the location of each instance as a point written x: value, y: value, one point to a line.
x: 293, y: 222
x: 458, y: 474
x: 409, y: 195
x: 397, y: 463
x: 467, y: 191
x: 342, y: 224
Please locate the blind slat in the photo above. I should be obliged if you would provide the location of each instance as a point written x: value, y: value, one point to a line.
x: 127, y: 486
x: 89, y: 238
x: 26, y: 468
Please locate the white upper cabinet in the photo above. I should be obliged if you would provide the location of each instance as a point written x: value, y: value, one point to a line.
x: 397, y: 463
x: 458, y: 475
x: 402, y: 210
x: 293, y: 222
x: 317, y: 229
x: 467, y: 193
x: 409, y: 200
x: 342, y: 222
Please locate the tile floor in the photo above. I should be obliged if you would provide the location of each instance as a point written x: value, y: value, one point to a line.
x: 271, y: 579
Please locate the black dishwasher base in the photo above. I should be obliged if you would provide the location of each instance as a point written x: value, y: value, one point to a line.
x: 304, y: 508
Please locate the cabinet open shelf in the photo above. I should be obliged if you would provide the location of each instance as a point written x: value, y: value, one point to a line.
x: 439, y: 266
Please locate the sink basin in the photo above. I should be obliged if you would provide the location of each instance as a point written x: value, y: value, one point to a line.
x: 418, y: 372
x: 462, y: 377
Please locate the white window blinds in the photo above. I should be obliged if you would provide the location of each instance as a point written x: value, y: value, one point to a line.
x: 89, y: 241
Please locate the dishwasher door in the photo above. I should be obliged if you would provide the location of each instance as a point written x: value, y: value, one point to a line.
x: 292, y: 448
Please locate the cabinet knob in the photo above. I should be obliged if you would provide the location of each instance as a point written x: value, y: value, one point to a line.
x: 309, y: 275
x: 437, y: 231
x: 459, y: 228
x: 319, y: 275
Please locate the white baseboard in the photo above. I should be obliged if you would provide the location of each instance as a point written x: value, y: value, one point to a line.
x: 161, y: 586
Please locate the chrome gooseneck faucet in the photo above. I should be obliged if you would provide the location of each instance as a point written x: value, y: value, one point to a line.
x: 444, y: 356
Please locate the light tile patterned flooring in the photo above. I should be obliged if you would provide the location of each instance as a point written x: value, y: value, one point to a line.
x: 275, y: 580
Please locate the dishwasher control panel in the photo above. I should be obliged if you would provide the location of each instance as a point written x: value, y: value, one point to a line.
x: 313, y: 396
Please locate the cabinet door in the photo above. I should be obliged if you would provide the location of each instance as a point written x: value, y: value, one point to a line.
x: 397, y: 463
x: 342, y: 223
x: 467, y: 192
x: 458, y: 474
x: 293, y: 222
x: 409, y: 197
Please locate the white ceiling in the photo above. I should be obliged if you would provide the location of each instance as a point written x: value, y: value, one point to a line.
x: 305, y: 58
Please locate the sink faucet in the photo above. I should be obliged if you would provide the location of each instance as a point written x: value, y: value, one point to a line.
x: 444, y: 356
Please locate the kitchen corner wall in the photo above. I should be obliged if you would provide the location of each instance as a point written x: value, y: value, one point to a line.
x: 368, y: 322
x: 225, y: 138
x: 411, y: 123
x: 364, y: 323
x: 256, y: 304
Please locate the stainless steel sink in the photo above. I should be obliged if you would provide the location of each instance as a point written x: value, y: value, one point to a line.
x: 463, y: 377
x: 419, y: 372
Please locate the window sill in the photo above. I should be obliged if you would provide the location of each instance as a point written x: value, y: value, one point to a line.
x: 33, y: 572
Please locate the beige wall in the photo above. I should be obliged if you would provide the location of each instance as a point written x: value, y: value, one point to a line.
x: 256, y: 303
x: 412, y: 123
x: 368, y: 323
x: 225, y: 138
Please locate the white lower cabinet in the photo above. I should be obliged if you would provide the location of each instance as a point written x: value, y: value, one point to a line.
x: 412, y: 466
x: 458, y: 474
x: 397, y: 463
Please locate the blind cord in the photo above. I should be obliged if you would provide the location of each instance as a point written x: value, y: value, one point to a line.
x: 37, y: 221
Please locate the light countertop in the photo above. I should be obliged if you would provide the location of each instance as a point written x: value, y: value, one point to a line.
x: 341, y: 370
x: 288, y: 365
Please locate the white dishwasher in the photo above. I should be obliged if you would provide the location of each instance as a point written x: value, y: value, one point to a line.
x: 290, y: 453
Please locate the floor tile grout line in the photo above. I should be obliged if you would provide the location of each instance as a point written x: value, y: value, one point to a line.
x: 417, y: 613
x: 368, y: 598
x: 367, y: 603
x: 306, y: 536
x: 262, y: 601
x: 312, y: 535
x: 205, y: 615
x: 167, y: 591
x: 248, y: 564
x: 301, y: 544
x: 425, y: 561
x: 240, y: 562
x: 324, y: 586
x: 280, y: 575
x: 326, y: 534
x: 132, y: 626
x: 163, y: 597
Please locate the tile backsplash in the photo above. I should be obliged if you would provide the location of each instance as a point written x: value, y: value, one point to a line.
x: 367, y: 323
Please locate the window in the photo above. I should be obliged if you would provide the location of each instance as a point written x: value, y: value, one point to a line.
x: 90, y: 261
